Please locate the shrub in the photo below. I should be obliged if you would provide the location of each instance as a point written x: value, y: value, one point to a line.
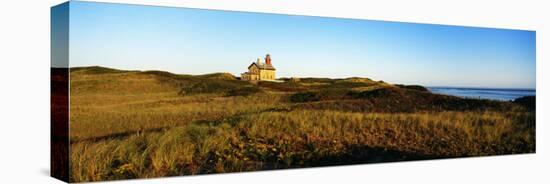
x: 282, y: 86
x: 321, y: 80
x: 381, y: 92
x: 528, y: 102
x: 243, y: 91
x: 294, y: 79
x: 212, y: 86
x: 321, y: 95
x: 413, y: 87
x: 308, y: 96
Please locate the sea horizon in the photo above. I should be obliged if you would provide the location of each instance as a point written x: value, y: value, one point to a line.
x: 492, y: 93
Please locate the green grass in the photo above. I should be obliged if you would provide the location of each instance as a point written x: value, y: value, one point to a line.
x: 132, y: 124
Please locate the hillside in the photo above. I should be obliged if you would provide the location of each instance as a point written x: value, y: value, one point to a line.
x: 128, y: 124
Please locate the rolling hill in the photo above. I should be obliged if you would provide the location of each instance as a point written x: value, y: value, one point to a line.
x: 129, y: 124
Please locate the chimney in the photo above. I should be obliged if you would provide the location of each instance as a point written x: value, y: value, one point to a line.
x: 259, y: 61
x: 267, y: 59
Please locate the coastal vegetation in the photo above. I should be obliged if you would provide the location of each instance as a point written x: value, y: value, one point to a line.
x: 143, y: 124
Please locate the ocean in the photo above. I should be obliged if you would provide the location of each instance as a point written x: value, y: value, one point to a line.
x: 484, y: 93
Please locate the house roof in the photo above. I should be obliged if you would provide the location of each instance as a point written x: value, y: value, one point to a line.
x: 262, y: 66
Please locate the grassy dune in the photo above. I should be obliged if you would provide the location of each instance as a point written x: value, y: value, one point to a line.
x: 133, y: 124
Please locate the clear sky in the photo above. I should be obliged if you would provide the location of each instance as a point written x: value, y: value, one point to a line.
x: 192, y: 41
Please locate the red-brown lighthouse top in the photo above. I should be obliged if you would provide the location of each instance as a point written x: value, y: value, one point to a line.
x: 267, y: 59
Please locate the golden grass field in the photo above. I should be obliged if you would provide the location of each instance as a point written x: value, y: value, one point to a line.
x: 133, y: 124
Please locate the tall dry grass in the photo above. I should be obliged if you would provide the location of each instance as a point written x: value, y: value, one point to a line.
x: 132, y: 102
x: 301, y: 138
x: 129, y: 124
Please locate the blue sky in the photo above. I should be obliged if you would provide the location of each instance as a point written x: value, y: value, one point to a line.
x: 192, y: 41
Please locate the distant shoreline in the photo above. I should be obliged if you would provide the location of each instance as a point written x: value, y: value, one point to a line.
x: 502, y: 94
x: 482, y: 88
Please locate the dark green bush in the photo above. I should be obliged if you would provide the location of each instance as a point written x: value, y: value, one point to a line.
x: 528, y: 102
x: 210, y: 86
x: 382, y: 92
x: 413, y: 87
x: 283, y: 86
x: 245, y: 91
x: 308, y: 96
